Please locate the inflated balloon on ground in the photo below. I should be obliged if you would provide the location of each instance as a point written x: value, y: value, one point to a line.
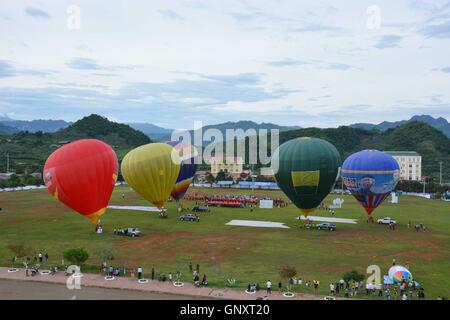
x: 399, y: 274
x: 152, y: 170
x: 307, y: 171
x: 82, y: 175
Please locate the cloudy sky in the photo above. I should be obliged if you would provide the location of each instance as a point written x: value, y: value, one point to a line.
x: 308, y: 63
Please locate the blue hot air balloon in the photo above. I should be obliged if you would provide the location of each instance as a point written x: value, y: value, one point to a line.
x: 187, y: 154
x: 370, y: 175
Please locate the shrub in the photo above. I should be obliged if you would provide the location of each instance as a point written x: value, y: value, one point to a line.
x: 76, y: 256
x: 353, y: 275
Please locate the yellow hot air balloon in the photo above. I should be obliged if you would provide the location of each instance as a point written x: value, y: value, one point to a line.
x: 152, y: 171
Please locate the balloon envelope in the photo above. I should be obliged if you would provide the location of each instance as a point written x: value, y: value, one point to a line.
x: 370, y: 175
x: 187, y: 153
x: 82, y: 175
x: 399, y: 274
x: 307, y: 171
x: 152, y: 170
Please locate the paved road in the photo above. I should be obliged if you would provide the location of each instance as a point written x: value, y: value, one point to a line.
x: 30, y: 290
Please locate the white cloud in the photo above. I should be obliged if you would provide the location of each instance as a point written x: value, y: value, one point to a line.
x: 291, y: 62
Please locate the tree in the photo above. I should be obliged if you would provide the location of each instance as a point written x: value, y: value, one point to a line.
x: 76, y: 256
x: 353, y: 275
x: 220, y: 176
x: 287, y: 273
x: 210, y: 178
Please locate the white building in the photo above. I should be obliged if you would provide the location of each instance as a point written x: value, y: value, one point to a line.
x: 410, y: 163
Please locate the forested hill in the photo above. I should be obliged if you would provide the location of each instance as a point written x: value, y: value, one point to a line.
x: 97, y: 127
x: 28, y: 151
x: 417, y: 136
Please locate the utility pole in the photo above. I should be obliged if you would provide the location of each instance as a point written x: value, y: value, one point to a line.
x: 7, y: 162
x: 440, y: 173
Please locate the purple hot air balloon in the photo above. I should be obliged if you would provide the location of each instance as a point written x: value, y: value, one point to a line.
x: 187, y: 153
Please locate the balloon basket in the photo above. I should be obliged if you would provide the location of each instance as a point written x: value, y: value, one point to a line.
x: 178, y: 284
x: 143, y: 281
x: 13, y: 270
x: 288, y: 295
x: 250, y: 292
x: 44, y: 272
x: 109, y: 278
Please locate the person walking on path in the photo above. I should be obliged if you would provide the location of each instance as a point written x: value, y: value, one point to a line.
x: 196, y: 280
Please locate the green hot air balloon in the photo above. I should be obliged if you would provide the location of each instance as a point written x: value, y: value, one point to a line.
x: 307, y: 171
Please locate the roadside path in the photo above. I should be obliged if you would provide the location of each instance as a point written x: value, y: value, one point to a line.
x: 188, y: 290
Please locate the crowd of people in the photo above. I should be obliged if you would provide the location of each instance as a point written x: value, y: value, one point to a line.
x: 244, y: 200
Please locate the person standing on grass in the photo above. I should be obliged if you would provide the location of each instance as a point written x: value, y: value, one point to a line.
x: 170, y: 276
x: 190, y: 267
x: 316, y: 286
x: 139, y: 272
x: 346, y: 292
x: 40, y: 257
x: 46, y: 257
x: 332, y: 292
x: 269, y: 286
x: 280, y: 285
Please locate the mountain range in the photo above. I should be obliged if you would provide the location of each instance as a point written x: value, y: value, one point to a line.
x: 28, y: 151
x: 33, y: 125
x: 157, y: 133
x: 439, y: 123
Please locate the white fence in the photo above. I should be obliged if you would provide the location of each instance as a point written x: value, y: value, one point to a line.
x: 25, y: 188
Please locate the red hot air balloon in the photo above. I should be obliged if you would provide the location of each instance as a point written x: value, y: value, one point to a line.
x: 82, y: 175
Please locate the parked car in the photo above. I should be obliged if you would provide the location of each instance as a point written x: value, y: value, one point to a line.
x: 200, y: 209
x: 326, y: 226
x: 189, y: 217
x: 129, y: 232
x: 386, y: 220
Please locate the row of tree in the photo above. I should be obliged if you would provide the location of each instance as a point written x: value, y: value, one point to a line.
x: 20, y: 181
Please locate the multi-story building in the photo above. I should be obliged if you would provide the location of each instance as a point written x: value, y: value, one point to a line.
x: 410, y: 163
x: 231, y: 165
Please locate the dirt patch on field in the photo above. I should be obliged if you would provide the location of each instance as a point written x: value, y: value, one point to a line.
x: 404, y: 245
x: 14, y: 222
x: 168, y: 247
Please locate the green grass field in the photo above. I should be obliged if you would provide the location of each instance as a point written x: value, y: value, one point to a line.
x: 245, y: 253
